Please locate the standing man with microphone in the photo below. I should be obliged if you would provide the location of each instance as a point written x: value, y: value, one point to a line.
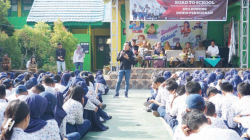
x: 126, y: 60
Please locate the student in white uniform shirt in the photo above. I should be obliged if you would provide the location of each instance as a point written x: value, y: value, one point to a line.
x: 48, y: 82
x: 198, y: 128
x: 213, y: 50
x: 9, y: 87
x: 16, y: 120
x: 3, y: 104
x: 215, y: 97
x: 20, y: 93
x: 58, y: 85
x: 212, y: 115
x: 37, y: 89
x: 241, y: 107
x: 226, y: 103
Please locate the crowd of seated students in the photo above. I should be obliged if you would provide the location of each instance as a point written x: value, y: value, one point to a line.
x: 46, y: 106
x: 201, y: 105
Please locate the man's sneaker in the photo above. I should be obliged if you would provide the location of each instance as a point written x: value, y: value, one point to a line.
x: 103, y: 106
x: 126, y: 95
x: 146, y: 104
x: 116, y: 96
x: 156, y: 114
x: 148, y: 109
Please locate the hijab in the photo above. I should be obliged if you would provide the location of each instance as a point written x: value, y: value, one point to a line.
x: 35, y: 75
x: 65, y: 79
x: 40, y: 77
x: 183, y: 78
x: 3, y: 75
x: 98, y: 73
x: 246, y: 76
x: 211, y: 77
x: 158, y: 49
x: 77, y: 72
x: 233, y: 71
x: 166, y: 75
x: 72, y: 82
x: 227, y: 73
x: 195, y: 73
x: 85, y: 87
x: 100, y: 79
x: 234, y: 81
x: 59, y: 112
x: 218, y: 77
x: 51, y: 98
x: 227, y: 79
x: 203, y: 76
x: 37, y: 105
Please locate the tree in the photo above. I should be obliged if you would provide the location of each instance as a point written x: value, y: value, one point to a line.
x: 4, y: 23
x: 10, y: 47
x: 60, y: 34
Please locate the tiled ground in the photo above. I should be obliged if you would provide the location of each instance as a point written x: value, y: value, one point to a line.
x: 130, y: 121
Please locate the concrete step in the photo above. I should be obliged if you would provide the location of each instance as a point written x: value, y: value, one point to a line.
x: 133, y: 84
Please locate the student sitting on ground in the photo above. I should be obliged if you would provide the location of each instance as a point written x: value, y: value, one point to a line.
x: 212, y: 115
x: 16, y: 119
x: 37, y: 89
x: 215, y: 97
x: 9, y: 87
x: 38, y: 127
x: 58, y: 85
x: 155, y: 86
x: 198, y: 128
x: 241, y: 107
x: 226, y: 103
x: 3, y: 104
x: 178, y: 104
x: 73, y: 106
x: 20, y: 93
x: 48, y: 84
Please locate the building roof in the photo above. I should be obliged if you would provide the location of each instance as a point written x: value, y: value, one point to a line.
x: 67, y: 11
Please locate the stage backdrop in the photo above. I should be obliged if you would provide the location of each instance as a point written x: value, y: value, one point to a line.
x: 196, y: 10
x: 173, y: 32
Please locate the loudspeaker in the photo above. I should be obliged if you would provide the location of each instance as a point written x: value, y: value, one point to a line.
x: 224, y: 52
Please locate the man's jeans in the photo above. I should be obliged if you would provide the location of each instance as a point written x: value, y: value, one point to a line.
x: 59, y: 65
x: 122, y: 73
x: 77, y: 64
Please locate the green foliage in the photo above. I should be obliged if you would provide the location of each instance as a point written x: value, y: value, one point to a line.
x: 50, y: 65
x: 4, y: 23
x: 10, y: 47
x: 60, y: 34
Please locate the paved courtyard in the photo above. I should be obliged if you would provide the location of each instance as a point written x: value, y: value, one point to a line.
x: 130, y: 121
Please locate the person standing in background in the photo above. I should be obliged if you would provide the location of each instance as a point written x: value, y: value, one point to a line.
x: 78, y: 57
x: 60, y: 57
x: 6, y: 63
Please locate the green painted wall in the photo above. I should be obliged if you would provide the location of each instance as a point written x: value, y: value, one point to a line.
x: 123, y: 25
x: 18, y: 22
x: 87, y: 59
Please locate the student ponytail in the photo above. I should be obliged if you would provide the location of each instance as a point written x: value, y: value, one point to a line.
x: 15, y: 113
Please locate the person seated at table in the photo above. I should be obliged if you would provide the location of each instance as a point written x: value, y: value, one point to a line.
x: 213, y: 50
x: 141, y: 53
x: 32, y: 65
x: 160, y: 52
x: 189, y: 57
x: 178, y: 46
x: 6, y: 63
x: 200, y: 47
x: 167, y: 46
x: 134, y: 47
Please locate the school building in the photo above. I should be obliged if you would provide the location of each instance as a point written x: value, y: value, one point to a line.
x: 97, y: 21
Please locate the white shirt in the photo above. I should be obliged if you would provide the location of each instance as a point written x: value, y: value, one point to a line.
x: 76, y: 57
x: 178, y: 106
x: 217, y: 122
x: 3, y: 105
x: 213, y: 50
x: 74, y: 109
x: 13, y: 97
x: 92, y: 95
x: 9, y: 92
x: 90, y: 106
x: 60, y: 87
x: 210, y: 133
x: 216, y: 100
x: 135, y: 9
x: 49, y: 89
x: 226, y: 111
x: 27, y: 65
x: 19, y: 134
x: 240, y: 107
x: 49, y: 132
x: 101, y: 87
x: 62, y: 127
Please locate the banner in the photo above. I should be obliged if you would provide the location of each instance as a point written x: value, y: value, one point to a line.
x: 191, y: 10
x: 173, y: 32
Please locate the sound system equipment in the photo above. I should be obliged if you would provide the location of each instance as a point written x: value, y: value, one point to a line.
x: 224, y: 52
